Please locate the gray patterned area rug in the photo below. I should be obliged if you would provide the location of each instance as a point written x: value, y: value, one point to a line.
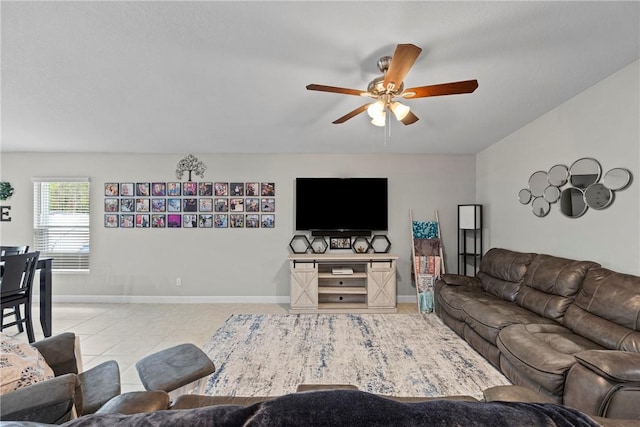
x: 392, y: 354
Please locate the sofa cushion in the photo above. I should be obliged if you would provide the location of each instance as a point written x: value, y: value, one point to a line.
x: 543, y: 353
x: 488, y: 317
x: 551, y: 284
x: 607, y: 310
x: 20, y: 365
x: 501, y: 272
x: 452, y: 298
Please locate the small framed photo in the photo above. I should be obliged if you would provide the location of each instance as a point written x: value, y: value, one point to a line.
x: 174, y: 189
x: 111, y: 189
x: 158, y: 220
x: 174, y: 220
x: 236, y: 189
x: 111, y: 221
x: 220, y: 220
x: 189, y: 188
x: 142, y: 189
x: 252, y: 204
x: 252, y: 221
x: 221, y: 205
x: 268, y: 221
x: 268, y: 204
x: 205, y: 205
x: 142, y: 221
x: 142, y: 205
x: 174, y: 205
x: 236, y: 221
x: 268, y: 189
x: 205, y: 221
x: 127, y: 221
x: 111, y: 204
x: 127, y: 189
x: 221, y: 189
x: 205, y: 189
x: 127, y: 205
x: 236, y: 205
x: 340, y: 243
x: 189, y: 205
x: 158, y: 189
x: 252, y: 189
x: 189, y: 221
x: 158, y: 205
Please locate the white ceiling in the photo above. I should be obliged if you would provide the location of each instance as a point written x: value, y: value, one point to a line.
x: 230, y: 77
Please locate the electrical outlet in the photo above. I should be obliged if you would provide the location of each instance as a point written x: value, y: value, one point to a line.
x: 179, y: 281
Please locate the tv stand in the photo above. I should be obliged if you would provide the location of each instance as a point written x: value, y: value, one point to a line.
x: 319, y: 283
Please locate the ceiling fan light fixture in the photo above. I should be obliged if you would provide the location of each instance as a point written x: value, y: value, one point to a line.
x: 376, y: 110
x: 380, y: 120
x: 399, y: 110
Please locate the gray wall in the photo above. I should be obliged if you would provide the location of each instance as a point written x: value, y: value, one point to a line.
x: 228, y: 264
x: 250, y: 265
x: 604, y: 123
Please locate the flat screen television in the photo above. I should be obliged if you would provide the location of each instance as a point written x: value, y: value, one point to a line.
x: 341, y: 206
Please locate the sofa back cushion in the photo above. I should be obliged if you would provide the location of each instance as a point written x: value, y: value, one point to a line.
x: 607, y: 310
x: 551, y: 284
x: 501, y: 272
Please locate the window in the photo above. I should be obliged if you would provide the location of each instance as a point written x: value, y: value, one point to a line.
x: 61, y: 221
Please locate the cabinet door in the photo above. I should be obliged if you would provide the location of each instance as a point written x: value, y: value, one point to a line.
x: 381, y: 284
x: 304, y: 285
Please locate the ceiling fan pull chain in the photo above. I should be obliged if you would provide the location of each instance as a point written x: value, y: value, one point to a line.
x: 387, y: 125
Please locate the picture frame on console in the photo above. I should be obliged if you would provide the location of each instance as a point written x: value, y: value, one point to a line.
x: 340, y: 243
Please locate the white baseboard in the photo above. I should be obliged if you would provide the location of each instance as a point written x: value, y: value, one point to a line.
x: 407, y: 298
x: 142, y: 299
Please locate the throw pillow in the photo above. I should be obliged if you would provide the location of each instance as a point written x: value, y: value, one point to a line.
x: 20, y: 365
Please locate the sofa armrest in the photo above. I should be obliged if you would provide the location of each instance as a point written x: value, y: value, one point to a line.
x: 99, y: 385
x: 619, y: 366
x: 59, y: 352
x: 460, y: 280
x: 48, y: 401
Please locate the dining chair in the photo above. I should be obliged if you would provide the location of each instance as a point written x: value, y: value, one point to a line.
x: 15, y: 288
x: 13, y: 250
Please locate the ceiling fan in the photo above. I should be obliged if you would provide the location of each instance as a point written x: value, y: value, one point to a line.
x: 390, y: 85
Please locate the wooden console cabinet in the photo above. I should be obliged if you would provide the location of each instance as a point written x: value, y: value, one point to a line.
x: 318, y: 287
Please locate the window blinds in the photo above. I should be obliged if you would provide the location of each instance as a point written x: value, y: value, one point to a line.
x: 61, y: 221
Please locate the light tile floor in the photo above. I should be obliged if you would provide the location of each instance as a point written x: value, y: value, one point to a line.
x: 127, y: 332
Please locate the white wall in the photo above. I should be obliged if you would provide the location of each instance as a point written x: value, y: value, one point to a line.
x: 228, y: 264
x: 604, y: 123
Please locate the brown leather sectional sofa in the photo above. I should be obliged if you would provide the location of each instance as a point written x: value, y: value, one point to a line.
x: 566, y: 329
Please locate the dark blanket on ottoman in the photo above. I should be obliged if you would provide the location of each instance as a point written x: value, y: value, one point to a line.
x: 351, y: 408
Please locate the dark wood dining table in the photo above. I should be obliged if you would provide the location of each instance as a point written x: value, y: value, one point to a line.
x: 44, y: 266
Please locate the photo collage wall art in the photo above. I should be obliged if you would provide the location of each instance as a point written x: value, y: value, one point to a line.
x: 189, y: 204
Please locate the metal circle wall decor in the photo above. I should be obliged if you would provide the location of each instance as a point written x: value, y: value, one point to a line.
x: 537, y: 183
x: 540, y: 207
x: 617, y: 179
x: 524, y: 196
x: 584, y: 172
x: 598, y: 196
x: 585, y: 191
x: 551, y: 194
x: 558, y: 175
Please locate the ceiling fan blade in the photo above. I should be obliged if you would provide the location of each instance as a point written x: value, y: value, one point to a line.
x: 351, y: 114
x: 410, y: 119
x: 334, y: 89
x: 401, y: 62
x: 454, y: 88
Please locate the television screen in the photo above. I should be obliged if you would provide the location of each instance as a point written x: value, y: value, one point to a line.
x: 329, y: 206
